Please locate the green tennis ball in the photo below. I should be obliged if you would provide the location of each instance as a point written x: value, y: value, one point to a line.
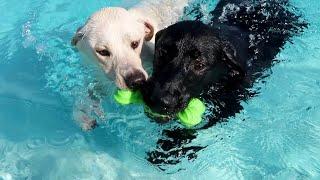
x: 192, y: 115
x: 126, y: 97
x: 189, y: 117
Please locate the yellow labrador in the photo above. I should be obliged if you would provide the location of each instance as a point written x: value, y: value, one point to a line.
x: 118, y: 39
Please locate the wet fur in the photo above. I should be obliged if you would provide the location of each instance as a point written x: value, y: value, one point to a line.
x: 239, y: 46
x: 114, y: 29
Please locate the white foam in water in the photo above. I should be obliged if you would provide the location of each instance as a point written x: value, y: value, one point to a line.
x: 276, y: 136
x: 226, y: 10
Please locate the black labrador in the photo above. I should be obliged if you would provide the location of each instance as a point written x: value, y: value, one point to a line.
x: 217, y: 62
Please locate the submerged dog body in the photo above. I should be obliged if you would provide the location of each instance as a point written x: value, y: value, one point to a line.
x: 115, y: 37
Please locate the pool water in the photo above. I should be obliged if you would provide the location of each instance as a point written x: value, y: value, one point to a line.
x: 276, y: 136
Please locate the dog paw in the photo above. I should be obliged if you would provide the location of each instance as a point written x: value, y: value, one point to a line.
x: 97, y: 110
x: 89, y: 125
x: 84, y: 119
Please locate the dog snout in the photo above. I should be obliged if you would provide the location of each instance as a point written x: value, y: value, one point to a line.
x: 162, y: 105
x: 166, y: 101
x: 162, y: 100
x: 167, y: 104
x: 135, y: 79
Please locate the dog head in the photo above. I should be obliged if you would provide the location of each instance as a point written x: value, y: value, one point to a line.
x: 113, y: 37
x: 189, y: 57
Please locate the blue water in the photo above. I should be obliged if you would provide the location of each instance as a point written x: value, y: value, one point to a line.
x: 42, y: 77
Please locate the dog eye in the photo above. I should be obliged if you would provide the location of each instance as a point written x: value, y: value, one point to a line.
x: 134, y: 44
x: 103, y: 52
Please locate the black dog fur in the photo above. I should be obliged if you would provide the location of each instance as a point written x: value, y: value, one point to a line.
x: 218, y: 63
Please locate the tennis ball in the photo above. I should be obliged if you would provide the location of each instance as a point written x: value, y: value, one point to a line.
x: 189, y: 117
x: 192, y: 114
x: 126, y: 97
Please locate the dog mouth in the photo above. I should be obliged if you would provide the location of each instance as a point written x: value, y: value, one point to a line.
x: 163, y: 116
x: 158, y: 107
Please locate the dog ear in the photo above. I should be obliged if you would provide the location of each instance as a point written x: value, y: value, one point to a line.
x: 149, y: 30
x: 229, y: 57
x: 78, y: 36
x: 158, y: 34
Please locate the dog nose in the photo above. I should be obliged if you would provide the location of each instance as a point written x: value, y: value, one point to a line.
x: 162, y: 105
x: 135, y: 80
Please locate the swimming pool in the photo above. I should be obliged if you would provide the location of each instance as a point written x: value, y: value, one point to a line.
x: 41, y: 77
